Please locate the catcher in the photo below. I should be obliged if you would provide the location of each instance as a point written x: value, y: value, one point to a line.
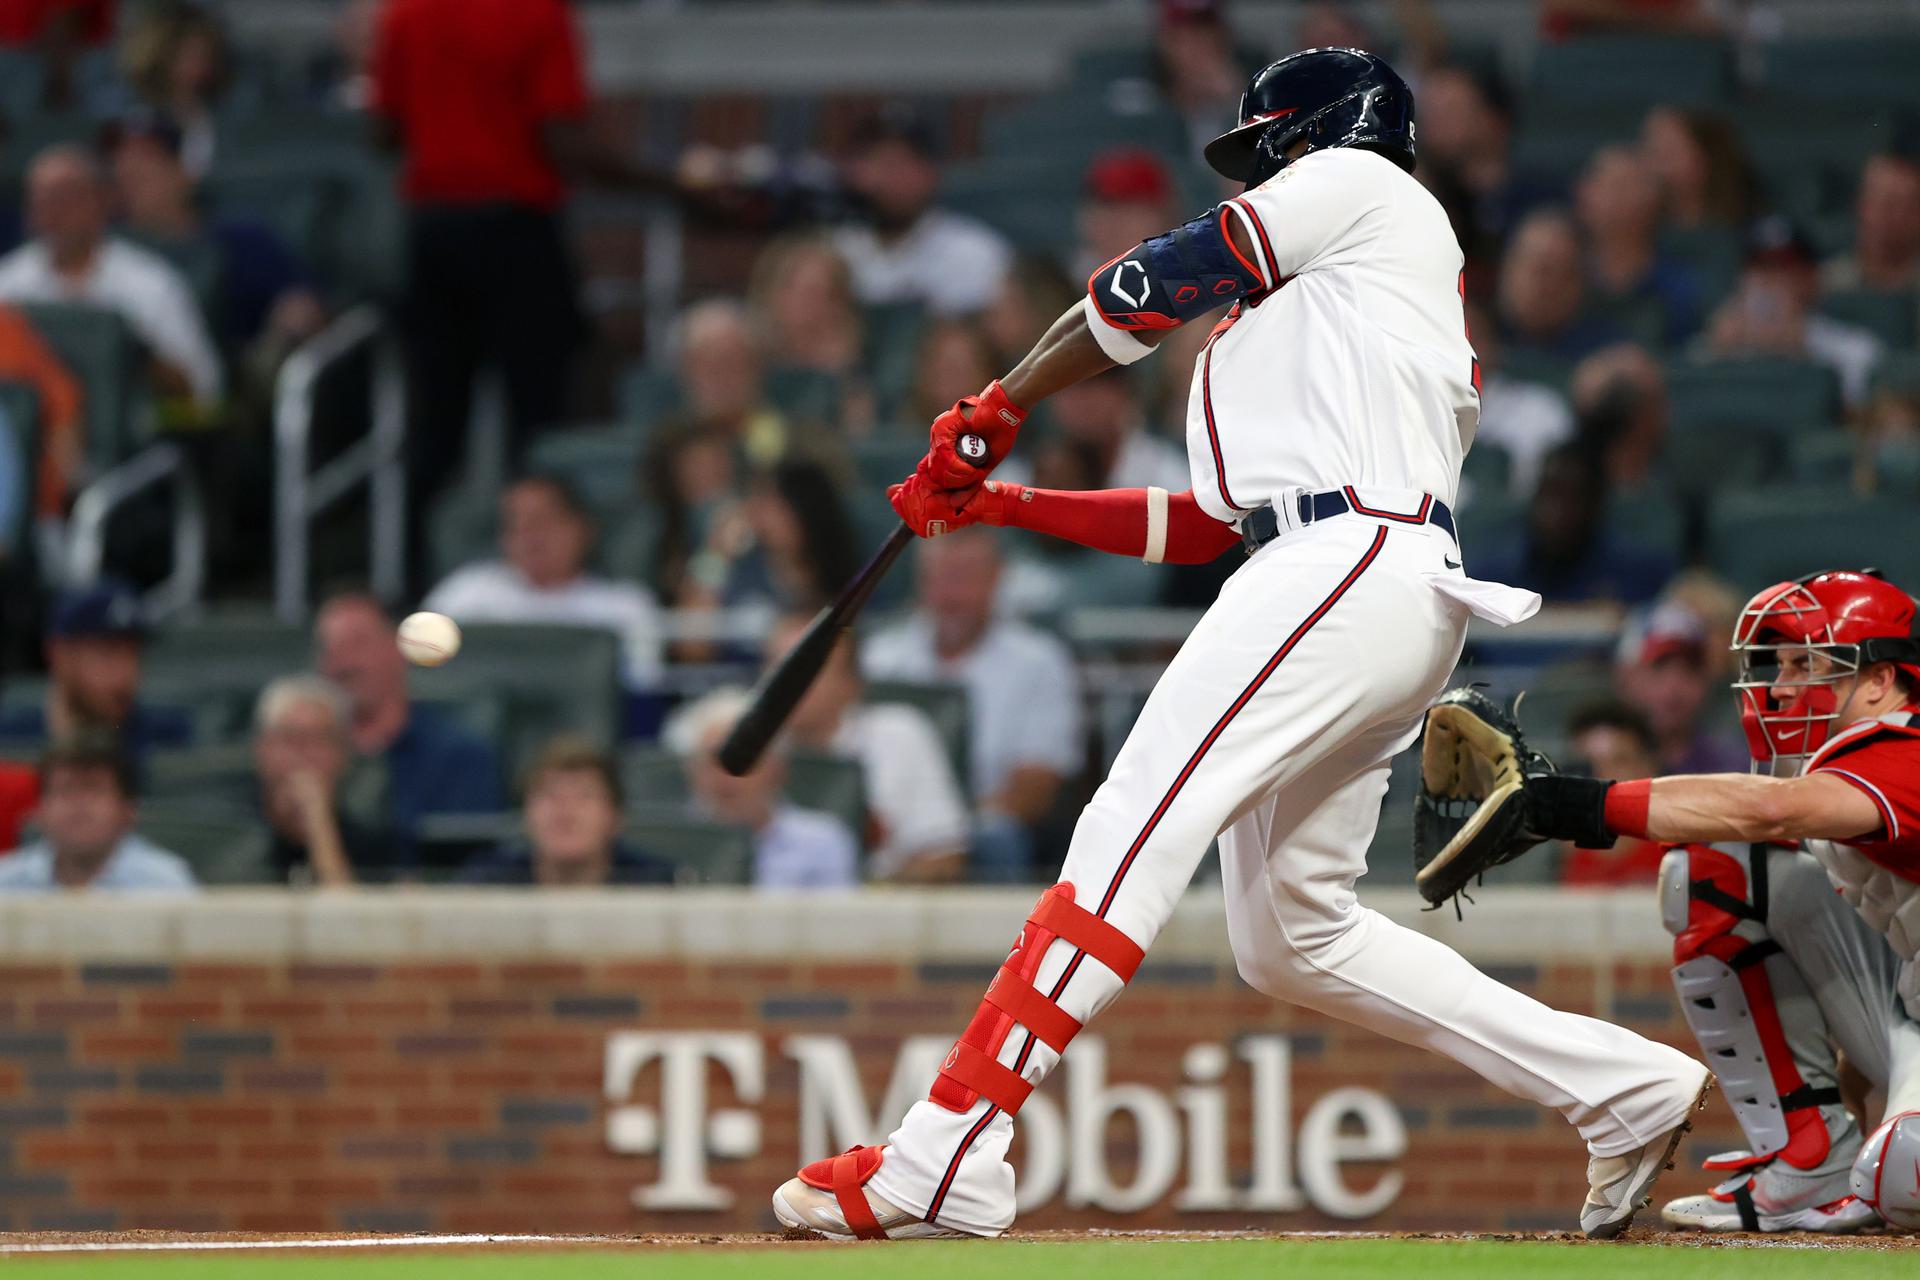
x: 1774, y: 970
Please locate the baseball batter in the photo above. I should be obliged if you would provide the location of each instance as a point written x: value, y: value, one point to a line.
x: 1330, y: 411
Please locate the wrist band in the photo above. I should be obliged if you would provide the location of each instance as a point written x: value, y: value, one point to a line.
x: 1628, y: 806
x: 1156, y: 526
x: 1119, y: 344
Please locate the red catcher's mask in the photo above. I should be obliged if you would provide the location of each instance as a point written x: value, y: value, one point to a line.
x: 1796, y: 641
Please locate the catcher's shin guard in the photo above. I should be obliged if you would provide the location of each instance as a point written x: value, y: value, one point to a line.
x: 1715, y: 903
x: 973, y: 1069
x: 1886, y: 1176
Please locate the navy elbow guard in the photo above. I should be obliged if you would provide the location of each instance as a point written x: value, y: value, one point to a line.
x: 1173, y: 278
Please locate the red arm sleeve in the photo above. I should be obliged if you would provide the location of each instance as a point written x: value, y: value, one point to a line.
x: 1110, y: 520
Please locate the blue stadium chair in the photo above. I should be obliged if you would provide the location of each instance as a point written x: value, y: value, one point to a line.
x: 1641, y: 69
x: 702, y: 853
x: 1767, y: 535
x: 1556, y: 139
x: 945, y: 704
x: 1822, y: 458
x: 550, y: 680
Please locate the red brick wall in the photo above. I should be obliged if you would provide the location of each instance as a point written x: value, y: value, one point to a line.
x: 468, y: 1096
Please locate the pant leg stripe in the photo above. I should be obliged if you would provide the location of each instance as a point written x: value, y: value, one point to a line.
x: 1153, y: 822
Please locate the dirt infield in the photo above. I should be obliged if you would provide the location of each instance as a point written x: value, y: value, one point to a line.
x: 64, y: 1242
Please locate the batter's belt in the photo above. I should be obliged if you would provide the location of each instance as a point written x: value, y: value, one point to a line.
x: 1263, y: 526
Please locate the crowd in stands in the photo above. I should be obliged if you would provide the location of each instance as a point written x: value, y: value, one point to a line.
x: 1611, y: 295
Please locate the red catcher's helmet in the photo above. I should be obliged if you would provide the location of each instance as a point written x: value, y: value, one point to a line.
x: 1853, y: 619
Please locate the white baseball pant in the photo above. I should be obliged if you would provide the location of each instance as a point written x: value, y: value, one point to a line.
x: 1273, y: 728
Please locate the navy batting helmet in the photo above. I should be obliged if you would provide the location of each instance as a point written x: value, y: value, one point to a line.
x: 1330, y: 98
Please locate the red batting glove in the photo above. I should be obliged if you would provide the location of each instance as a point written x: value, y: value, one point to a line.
x: 928, y: 511
x: 993, y: 502
x: 989, y: 415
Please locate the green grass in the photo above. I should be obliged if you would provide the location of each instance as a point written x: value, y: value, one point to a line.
x: 1012, y: 1260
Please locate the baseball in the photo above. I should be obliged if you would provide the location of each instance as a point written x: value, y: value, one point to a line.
x: 429, y: 639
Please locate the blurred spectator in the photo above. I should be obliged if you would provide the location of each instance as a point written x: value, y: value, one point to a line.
x: 178, y: 59
x: 1705, y: 177
x: 412, y: 760
x: 906, y: 248
x: 1717, y: 604
x: 1663, y: 670
x: 722, y: 374
x: 1104, y: 414
x: 1562, y: 18
x: 1620, y: 397
x: 1127, y: 196
x: 87, y: 810
x: 1034, y: 294
x: 1613, y: 740
x: 300, y: 758
x: 546, y: 535
x: 693, y: 481
x: 1466, y: 158
x: 916, y: 816
x: 1022, y: 689
x: 789, y: 545
x: 1617, y: 199
x: 93, y: 647
x: 26, y: 358
x: 801, y: 296
x: 71, y: 258
x: 1772, y: 313
x: 1523, y: 418
x: 574, y: 810
x: 1543, y: 291
x: 954, y: 359
x: 793, y: 848
x: 64, y: 34
x: 1886, y: 229
x: 261, y: 291
x: 1197, y: 68
x: 1567, y: 553
x: 485, y: 121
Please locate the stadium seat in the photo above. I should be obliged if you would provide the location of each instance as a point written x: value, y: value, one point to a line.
x: 1555, y: 140
x: 808, y: 395
x: 1822, y: 458
x: 220, y: 771
x: 1488, y: 470
x: 1553, y: 694
x: 98, y: 348
x: 216, y: 666
x: 219, y: 841
x: 602, y: 463
x: 832, y: 785
x: 890, y: 347
x: 1845, y: 69
x: 647, y: 396
x: 550, y: 680
x: 1890, y: 316
x: 1650, y: 519
x: 1068, y: 130
x: 1645, y: 70
x: 652, y: 775
x: 945, y: 704
x: 703, y: 853
x: 1767, y: 535
x: 1775, y: 396
x: 1709, y: 456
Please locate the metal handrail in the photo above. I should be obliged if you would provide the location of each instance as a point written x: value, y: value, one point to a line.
x: 87, y: 530
x: 376, y: 460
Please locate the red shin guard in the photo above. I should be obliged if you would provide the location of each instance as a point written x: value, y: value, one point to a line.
x: 972, y: 1070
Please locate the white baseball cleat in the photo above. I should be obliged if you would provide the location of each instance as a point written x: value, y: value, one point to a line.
x: 1620, y: 1186
x: 1765, y: 1193
x: 830, y: 1198
x: 1886, y: 1175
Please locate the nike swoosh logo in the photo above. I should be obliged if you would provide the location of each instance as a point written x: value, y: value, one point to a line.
x: 1451, y: 564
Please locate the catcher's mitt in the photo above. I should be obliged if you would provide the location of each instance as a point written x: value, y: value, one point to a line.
x: 1472, y: 811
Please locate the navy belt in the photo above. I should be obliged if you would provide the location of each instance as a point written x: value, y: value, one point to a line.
x: 1263, y: 525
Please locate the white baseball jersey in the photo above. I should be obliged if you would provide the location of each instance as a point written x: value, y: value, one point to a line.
x: 1353, y: 366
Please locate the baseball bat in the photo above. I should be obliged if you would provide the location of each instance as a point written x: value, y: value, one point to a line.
x: 786, y: 682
